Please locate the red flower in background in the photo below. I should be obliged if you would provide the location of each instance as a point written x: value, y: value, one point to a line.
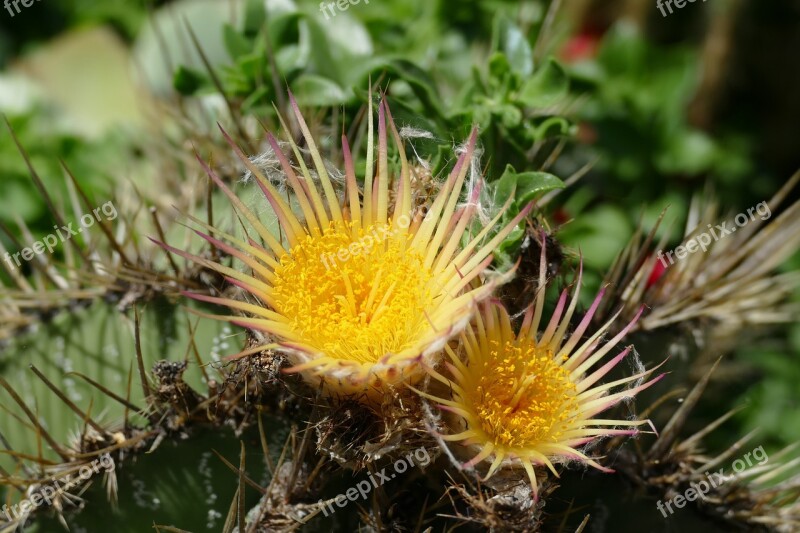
x: 582, y: 46
x: 658, y: 271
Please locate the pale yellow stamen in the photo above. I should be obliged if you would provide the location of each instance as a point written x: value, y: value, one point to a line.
x: 521, y: 395
x: 357, y: 306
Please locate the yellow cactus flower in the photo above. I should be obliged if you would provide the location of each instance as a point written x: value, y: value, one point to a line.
x: 530, y: 398
x: 355, y: 294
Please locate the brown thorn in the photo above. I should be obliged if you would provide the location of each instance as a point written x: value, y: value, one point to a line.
x: 105, y: 391
x: 689, y: 443
x: 193, y: 346
x: 87, y: 418
x: 107, y: 232
x: 168, y: 529
x: 33, y: 458
x: 230, y: 520
x: 37, y: 181
x: 128, y: 395
x: 70, y: 403
x: 297, y: 463
x: 165, y: 55
x: 162, y: 238
x: 40, y: 263
x: 18, y: 418
x: 18, y: 278
x: 239, y: 472
x: 7, y: 446
x: 673, y: 427
x: 218, y: 85
x: 264, y: 445
x: 210, y: 211
x: 313, y: 474
x: 40, y: 430
x: 273, y: 68
x: 139, y: 358
x: 282, y: 457
x: 241, y: 504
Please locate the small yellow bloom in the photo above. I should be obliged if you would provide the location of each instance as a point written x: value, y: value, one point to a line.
x: 529, y: 398
x: 356, y: 295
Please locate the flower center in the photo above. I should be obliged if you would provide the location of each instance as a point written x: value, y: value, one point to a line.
x: 522, y: 396
x: 355, y: 297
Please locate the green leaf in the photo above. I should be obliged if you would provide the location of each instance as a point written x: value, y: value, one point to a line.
x: 499, y: 67
x: 19, y: 199
x: 251, y: 65
x: 313, y: 90
x: 510, y: 40
x: 235, y: 43
x: 692, y: 153
x: 548, y: 85
x: 510, y: 116
x: 320, y: 51
x: 255, y: 15
x: 188, y: 81
x: 525, y: 186
x: 418, y: 80
x: 552, y: 127
x: 599, y: 234
x: 259, y: 96
x: 421, y: 82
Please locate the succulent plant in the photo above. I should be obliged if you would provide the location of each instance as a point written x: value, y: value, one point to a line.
x: 368, y: 336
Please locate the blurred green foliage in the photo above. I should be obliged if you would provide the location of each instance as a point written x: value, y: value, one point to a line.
x: 90, y: 161
x: 639, y: 93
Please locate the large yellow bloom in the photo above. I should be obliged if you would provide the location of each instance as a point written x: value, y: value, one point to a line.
x: 356, y: 295
x: 529, y: 398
